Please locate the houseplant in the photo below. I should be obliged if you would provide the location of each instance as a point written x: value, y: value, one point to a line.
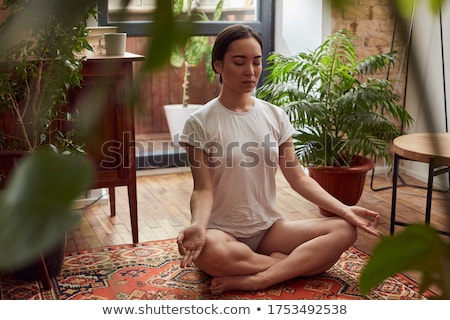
x: 38, y: 68
x: 39, y: 65
x: 343, y: 116
x: 186, y: 56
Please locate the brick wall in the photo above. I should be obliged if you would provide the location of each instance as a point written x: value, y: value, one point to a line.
x: 373, y: 21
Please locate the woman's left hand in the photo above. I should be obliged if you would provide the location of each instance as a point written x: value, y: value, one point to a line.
x: 364, y: 219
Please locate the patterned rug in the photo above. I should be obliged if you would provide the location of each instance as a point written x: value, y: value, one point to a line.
x: 151, y: 270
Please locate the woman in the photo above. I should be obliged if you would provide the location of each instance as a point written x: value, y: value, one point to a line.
x: 235, y: 143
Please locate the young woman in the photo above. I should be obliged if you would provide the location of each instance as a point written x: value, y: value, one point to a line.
x: 235, y: 143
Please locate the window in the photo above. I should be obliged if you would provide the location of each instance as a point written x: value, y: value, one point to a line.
x: 136, y: 19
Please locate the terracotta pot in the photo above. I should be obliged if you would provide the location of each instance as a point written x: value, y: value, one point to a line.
x: 344, y: 183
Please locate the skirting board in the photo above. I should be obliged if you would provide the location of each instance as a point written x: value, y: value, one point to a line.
x: 419, y: 171
x: 97, y: 196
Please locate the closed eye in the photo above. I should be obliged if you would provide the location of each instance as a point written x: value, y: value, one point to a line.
x: 241, y: 61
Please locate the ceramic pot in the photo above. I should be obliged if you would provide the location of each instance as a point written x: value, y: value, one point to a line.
x: 176, y: 116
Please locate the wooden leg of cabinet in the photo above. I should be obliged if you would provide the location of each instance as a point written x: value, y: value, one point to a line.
x: 132, y: 199
x: 112, y: 200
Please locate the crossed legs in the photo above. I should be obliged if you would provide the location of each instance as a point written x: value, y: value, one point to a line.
x: 289, y: 249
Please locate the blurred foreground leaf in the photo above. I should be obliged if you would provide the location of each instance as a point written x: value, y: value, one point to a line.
x: 405, y: 8
x: 36, y: 206
x: 168, y: 32
x: 418, y: 247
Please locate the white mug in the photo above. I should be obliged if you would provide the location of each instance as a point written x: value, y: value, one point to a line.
x: 114, y: 43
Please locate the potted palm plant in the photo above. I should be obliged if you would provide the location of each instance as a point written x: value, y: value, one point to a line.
x: 193, y: 52
x: 345, y: 119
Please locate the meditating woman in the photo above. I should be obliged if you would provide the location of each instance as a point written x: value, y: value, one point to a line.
x: 235, y: 143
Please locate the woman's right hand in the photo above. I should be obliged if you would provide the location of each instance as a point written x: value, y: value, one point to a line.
x: 190, y: 243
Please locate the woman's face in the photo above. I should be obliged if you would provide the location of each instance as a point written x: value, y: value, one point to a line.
x: 241, y: 66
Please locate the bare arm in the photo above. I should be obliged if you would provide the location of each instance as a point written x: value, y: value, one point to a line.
x: 312, y: 191
x: 202, y: 195
x: 192, y: 239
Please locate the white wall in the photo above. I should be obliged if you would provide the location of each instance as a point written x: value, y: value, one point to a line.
x: 425, y: 90
x: 301, y: 25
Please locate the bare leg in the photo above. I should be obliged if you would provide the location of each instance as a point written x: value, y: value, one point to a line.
x: 325, y: 241
x: 223, y: 255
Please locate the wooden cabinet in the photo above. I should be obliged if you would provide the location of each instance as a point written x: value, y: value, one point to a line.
x: 105, y: 97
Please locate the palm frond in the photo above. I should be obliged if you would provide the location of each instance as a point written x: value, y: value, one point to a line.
x: 373, y: 64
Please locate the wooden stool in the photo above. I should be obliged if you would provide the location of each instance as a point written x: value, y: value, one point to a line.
x: 431, y: 148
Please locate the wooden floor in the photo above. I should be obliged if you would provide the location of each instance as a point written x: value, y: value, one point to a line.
x: 163, y: 209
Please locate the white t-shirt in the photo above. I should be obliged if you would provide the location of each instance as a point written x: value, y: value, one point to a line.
x: 243, y: 152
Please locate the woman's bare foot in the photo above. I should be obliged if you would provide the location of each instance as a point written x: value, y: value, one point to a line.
x: 250, y: 282
x: 220, y: 285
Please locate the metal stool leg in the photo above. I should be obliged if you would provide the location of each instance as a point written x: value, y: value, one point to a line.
x: 429, y: 190
x: 394, y: 193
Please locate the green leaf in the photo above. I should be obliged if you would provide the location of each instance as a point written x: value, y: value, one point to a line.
x: 196, y: 49
x: 406, y: 7
x: 167, y: 33
x: 177, y: 57
x: 36, y: 206
x: 418, y: 247
x: 340, y: 4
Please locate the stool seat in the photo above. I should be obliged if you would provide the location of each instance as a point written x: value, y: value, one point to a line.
x: 423, y: 146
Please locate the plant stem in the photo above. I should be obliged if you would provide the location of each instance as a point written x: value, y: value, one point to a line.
x: 187, y: 74
x: 21, y: 123
x: 36, y: 101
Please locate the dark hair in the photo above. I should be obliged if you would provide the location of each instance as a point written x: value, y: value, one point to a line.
x: 227, y: 36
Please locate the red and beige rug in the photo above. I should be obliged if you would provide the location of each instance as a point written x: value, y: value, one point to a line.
x: 151, y: 270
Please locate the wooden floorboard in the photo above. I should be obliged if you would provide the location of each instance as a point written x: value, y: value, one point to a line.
x: 163, y: 209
